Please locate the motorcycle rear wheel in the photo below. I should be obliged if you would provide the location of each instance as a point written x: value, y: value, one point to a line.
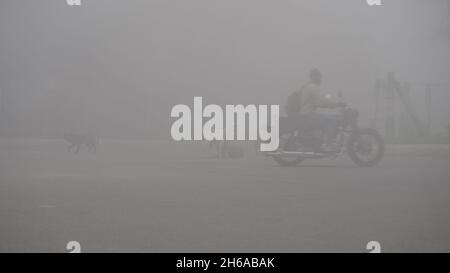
x: 286, y: 143
x: 288, y: 162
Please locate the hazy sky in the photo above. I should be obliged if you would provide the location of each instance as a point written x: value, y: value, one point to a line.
x: 117, y: 67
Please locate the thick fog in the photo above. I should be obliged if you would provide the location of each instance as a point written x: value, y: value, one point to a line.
x: 88, y: 157
x: 115, y: 68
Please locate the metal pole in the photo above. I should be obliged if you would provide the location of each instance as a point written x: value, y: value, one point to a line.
x: 2, y: 111
x: 390, y: 119
x: 428, y: 109
x: 448, y: 9
x: 2, y: 101
x: 376, y: 103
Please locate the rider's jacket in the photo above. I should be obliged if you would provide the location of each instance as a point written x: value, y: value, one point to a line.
x: 313, y: 99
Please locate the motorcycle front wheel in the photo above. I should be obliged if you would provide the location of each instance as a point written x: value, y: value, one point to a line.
x: 365, y: 147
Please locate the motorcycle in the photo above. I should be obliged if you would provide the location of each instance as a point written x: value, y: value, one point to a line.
x: 365, y: 146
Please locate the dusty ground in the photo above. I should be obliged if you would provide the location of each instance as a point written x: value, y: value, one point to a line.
x: 160, y: 196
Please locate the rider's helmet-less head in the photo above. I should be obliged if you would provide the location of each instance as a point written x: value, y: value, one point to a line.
x: 316, y: 76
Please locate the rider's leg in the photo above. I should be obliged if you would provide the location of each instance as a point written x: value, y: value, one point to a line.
x: 285, y: 125
x: 310, y: 131
x: 328, y: 125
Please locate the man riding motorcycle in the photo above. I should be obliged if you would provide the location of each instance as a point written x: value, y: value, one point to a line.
x: 309, y: 133
x: 302, y: 111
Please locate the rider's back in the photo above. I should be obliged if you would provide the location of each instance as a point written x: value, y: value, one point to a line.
x: 310, y: 98
x: 304, y: 101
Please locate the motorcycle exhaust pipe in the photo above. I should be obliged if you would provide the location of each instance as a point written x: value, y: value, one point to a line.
x: 295, y: 154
